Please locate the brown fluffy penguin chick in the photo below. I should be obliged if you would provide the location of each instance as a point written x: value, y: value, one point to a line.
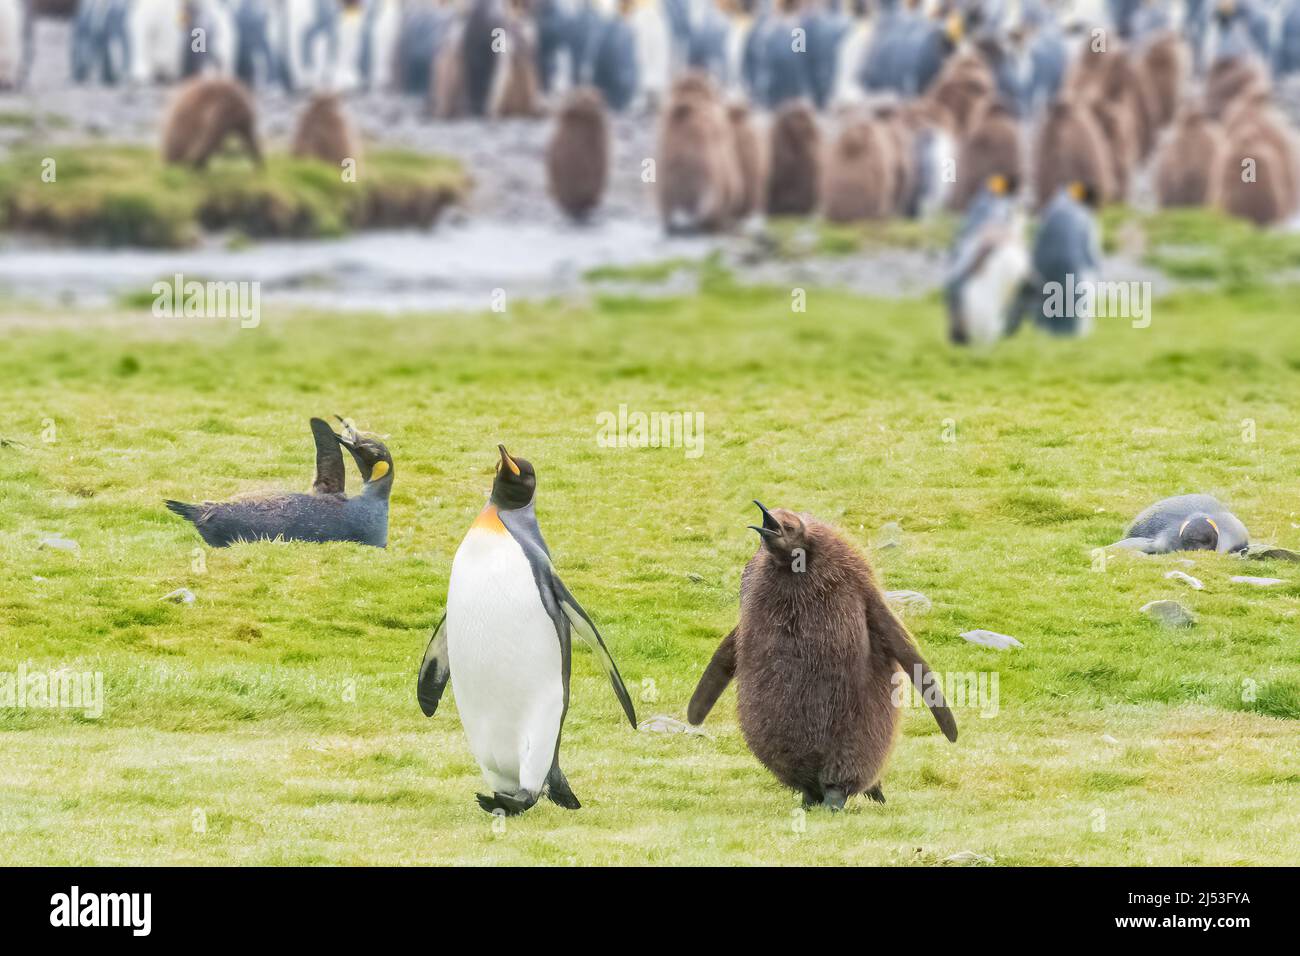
x: 448, y: 98
x: 515, y: 87
x: 577, y: 157
x: 990, y: 148
x: 961, y: 87
x: 816, y: 657
x: 1116, y: 121
x: 901, y: 136
x: 1112, y: 76
x: 1188, y: 162
x: 205, y: 111
x: 698, y: 175
x: 1258, y: 175
x: 323, y: 131
x: 1164, y: 64
x: 861, y: 173
x: 1230, y: 79
x: 1071, y: 148
x: 794, y: 171
x: 749, y: 159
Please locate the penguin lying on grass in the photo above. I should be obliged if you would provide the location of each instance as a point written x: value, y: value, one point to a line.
x: 326, y: 514
x: 817, y: 657
x: 1186, y: 523
x: 505, y: 642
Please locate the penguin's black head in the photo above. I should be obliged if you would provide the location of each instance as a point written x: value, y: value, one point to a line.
x: 1084, y: 193
x: 371, y: 455
x: 515, y: 483
x: 783, y: 534
x: 1198, y: 533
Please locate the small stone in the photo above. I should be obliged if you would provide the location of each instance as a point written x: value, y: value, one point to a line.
x: 693, y: 577
x: 38, y: 579
x: 60, y: 543
x: 1108, y: 739
x: 663, y: 724
x: 1191, y: 582
x: 179, y: 596
x: 1186, y: 562
x: 969, y: 858
x: 1273, y: 554
x: 1257, y: 582
x: 999, y: 642
x: 1169, y: 613
x: 909, y: 600
x: 890, y: 535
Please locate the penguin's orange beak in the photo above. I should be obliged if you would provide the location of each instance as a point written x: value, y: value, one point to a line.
x: 507, y: 460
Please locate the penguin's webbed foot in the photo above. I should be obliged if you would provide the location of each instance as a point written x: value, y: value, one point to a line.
x: 511, y: 804
x: 834, y: 798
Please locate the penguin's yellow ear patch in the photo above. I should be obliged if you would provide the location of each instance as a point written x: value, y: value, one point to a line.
x: 954, y: 27
x: 380, y: 469
x: 1210, y: 522
x: 1078, y: 191
x: 998, y: 185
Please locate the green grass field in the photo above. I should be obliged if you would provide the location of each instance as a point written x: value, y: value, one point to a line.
x: 274, y: 721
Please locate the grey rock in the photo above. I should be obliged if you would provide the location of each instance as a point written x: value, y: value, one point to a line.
x: 909, y: 600
x: 59, y: 543
x: 999, y: 642
x: 890, y: 535
x: 1193, y: 583
x: 692, y: 576
x: 1257, y: 582
x: 1108, y: 739
x: 663, y: 724
x: 179, y: 596
x: 969, y: 858
x: 1265, y: 553
x: 1169, y: 613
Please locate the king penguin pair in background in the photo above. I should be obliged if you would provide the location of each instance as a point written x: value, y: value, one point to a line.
x: 326, y: 514
x: 505, y: 643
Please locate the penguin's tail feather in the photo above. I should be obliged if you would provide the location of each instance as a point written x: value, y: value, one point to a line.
x: 188, y: 512
x: 558, y: 790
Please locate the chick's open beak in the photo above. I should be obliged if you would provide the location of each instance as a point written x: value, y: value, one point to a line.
x: 770, y: 528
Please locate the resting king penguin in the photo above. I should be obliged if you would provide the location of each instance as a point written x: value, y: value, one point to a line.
x: 325, y: 514
x: 505, y: 642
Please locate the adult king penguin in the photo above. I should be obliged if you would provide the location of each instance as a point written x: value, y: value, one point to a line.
x: 505, y: 642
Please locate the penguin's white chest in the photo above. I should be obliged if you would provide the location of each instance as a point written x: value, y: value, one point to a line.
x: 988, y: 295
x: 505, y: 661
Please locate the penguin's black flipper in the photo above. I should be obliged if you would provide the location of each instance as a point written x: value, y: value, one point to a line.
x: 884, y: 627
x: 560, y: 603
x: 558, y: 790
x: 434, y: 670
x: 330, y: 476
x: 188, y: 512
x: 584, y: 628
x: 714, y: 680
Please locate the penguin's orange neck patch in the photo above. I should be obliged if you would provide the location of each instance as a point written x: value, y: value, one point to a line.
x: 489, y: 520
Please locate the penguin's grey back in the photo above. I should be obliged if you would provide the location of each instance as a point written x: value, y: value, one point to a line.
x: 295, y: 517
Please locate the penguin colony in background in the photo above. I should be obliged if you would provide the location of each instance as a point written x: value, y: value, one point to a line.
x: 956, y: 92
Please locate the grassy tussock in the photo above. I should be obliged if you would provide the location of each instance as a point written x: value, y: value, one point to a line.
x: 125, y: 196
